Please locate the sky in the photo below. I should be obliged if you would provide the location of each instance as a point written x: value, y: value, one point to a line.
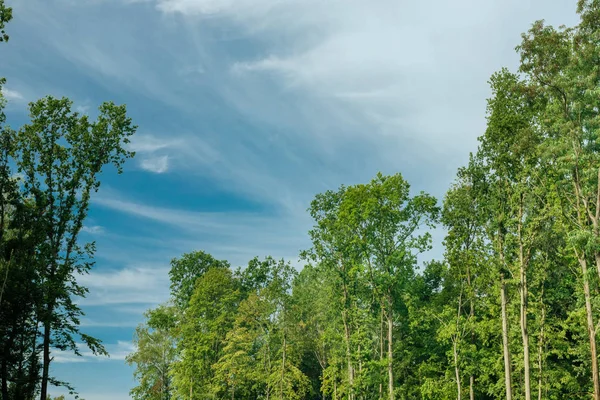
x: 246, y: 109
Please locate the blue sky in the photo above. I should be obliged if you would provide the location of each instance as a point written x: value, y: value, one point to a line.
x: 246, y: 109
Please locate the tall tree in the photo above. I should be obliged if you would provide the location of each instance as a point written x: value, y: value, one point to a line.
x: 60, y: 155
x: 204, y: 326
x: 562, y: 67
x: 510, y: 150
x: 387, y: 222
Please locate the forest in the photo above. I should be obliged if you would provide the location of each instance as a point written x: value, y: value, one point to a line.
x: 511, y: 310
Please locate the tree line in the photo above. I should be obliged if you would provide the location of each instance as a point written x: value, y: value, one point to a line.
x: 511, y: 311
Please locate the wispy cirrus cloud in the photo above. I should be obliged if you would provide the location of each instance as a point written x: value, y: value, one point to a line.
x: 151, y: 152
x: 234, y: 235
x: 12, y: 95
x: 158, y: 164
x: 117, y: 352
x: 145, y: 284
x: 93, y: 229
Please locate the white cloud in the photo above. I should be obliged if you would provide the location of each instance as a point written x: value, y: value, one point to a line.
x: 397, y: 85
x: 130, y: 285
x: 216, y: 6
x: 157, y: 165
x: 10, y: 94
x: 246, y: 225
x: 148, y: 148
x: 117, y: 352
x: 146, y: 143
x: 85, y: 322
x: 93, y: 229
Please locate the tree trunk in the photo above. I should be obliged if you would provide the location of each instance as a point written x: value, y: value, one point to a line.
x: 381, y: 345
x: 523, y: 308
x: 507, y: 362
x: 455, y: 339
x: 471, y: 387
x: 541, y: 352
x: 390, y: 321
x: 282, y: 369
x: 456, y: 370
x: 347, y: 339
x: 471, y: 318
x: 46, y: 358
x: 334, y: 389
x: 590, y: 326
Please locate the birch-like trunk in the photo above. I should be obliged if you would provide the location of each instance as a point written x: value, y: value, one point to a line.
x: 505, y: 347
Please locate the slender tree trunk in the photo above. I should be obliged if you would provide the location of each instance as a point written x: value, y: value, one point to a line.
x: 46, y: 358
x: 381, y: 345
x: 456, y: 370
x: 28, y: 390
x: 347, y: 339
x: 282, y: 369
x: 471, y: 318
x: 523, y: 307
x: 597, y: 258
x: 590, y: 326
x: 471, y: 387
x: 541, y: 352
x: 390, y: 322
x: 455, y: 339
x: 335, y: 389
x: 507, y: 362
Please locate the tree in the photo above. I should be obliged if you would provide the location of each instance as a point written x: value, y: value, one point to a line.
x: 465, y: 253
x: 186, y: 270
x: 372, y: 230
x: 510, y: 151
x: 154, y: 355
x: 60, y: 155
x: 333, y: 249
x: 386, y: 220
x: 202, y: 331
x: 562, y: 68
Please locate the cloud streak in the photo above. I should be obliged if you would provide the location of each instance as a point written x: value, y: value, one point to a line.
x: 12, y: 95
x: 117, y: 352
x: 159, y: 164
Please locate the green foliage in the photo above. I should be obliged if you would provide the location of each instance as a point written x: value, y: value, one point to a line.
x: 511, y: 311
x: 5, y: 17
x: 186, y: 270
x: 154, y: 355
x: 204, y: 326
